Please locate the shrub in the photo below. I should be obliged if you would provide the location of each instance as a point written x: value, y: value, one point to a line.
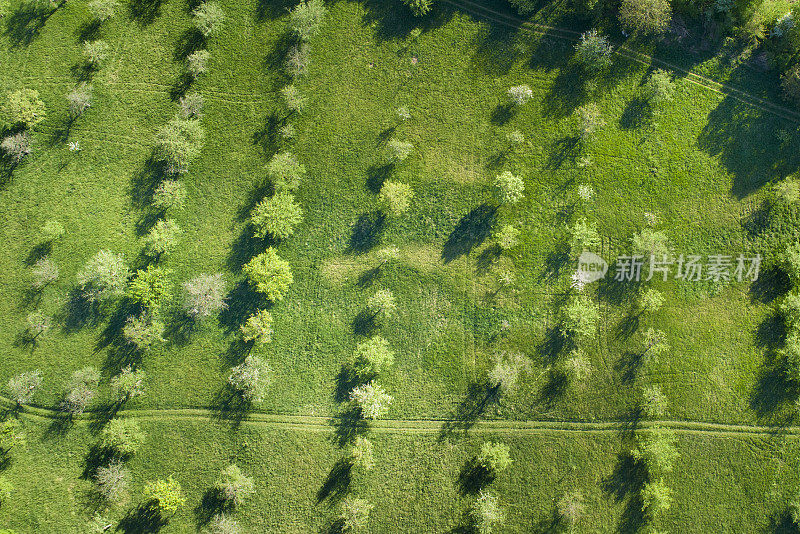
x: 651, y: 301
x: 506, y: 236
x: 419, y: 8
x: 17, y: 146
x: 204, y: 295
x: 52, y: 230
x: 169, y: 194
x: 650, y: 242
x: 102, y: 10
x: 371, y: 399
x: 656, y: 498
x: 222, y: 524
x: 520, y: 94
x: 659, y: 88
x: 790, y: 309
x: 178, y: 143
x: 655, y: 344
x: 191, y: 106
x: 269, y: 274
x: 648, y: 17
x: 197, y: 63
x: 398, y: 151
x: 306, y: 18
x: 655, y: 448
x: 285, y: 171
x: 128, y: 384
x: 372, y: 357
x: 382, y: 304
x: 395, y: 197
x: 165, y: 495
x: 24, y: 108
x: 354, y: 514
x: 208, y: 18
x: 150, y: 287
x: 294, y: 99
x: 571, y: 508
x: 580, y: 316
x: 589, y: 121
x: 234, y: 486
x: 38, y: 324
x: 494, y: 457
x: 297, y: 59
x: 23, y: 386
x: 791, y: 357
x: 593, y: 51
x: 790, y: 261
x: 104, y: 276
x: 112, y: 481
x: 162, y: 238
x: 79, y: 99
x: 508, y: 188
x: 485, y: 513
x: 251, y: 378
x: 95, y: 53
x: 144, y: 331
x: 654, y: 402
x: 258, y: 327
x: 584, y: 236
x: 277, y: 216
x: 788, y: 191
x: 361, y: 453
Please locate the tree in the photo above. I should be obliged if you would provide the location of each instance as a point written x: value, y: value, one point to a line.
x: 654, y: 402
x: 5, y: 492
x: 222, y: 524
x: 506, y: 236
x: 650, y: 242
x: 395, y: 197
x: 285, y: 172
x: 258, y: 327
x: 494, y: 457
x: 81, y: 390
x: 580, y: 316
x: 269, y: 274
x: 24, y: 108
x: 306, y: 18
x: 361, y: 453
x: 584, y: 236
x: 52, y: 230
x: 294, y: 99
x: 354, y: 514
x: 162, y: 238
x: 178, y: 143
x: 656, y: 498
x: 520, y: 94
x: 165, y: 495
x: 234, y: 486
x: 287, y: 131
x: 508, y: 188
x: 11, y: 435
x: 372, y: 357
x: 651, y: 301
x: 659, y: 88
x: 24, y: 386
x: 277, y: 216
x: 593, y: 51
x: 790, y: 83
x: 398, y: 151
x: 80, y: 98
x: 790, y: 261
x: 17, y: 146
x: 515, y: 138
x: 505, y: 372
x: 128, y: 384
x: 104, y: 276
x: 197, y: 63
x: 791, y: 357
x: 419, y: 8
x: 102, y: 10
x: 251, y: 378
x: 38, y: 324
x: 486, y: 513
x: 208, y: 18
x: 297, y: 59
x: 191, y: 106
x: 589, y: 121
x: 111, y: 481
x: 144, y: 331
x: 169, y: 194
x: 655, y: 344
x: 571, y: 508
x: 790, y: 309
x: 648, y: 17
x: 150, y: 287
x: 204, y: 295
x: 387, y: 254
x: 95, y: 53
x: 403, y: 114
x: 577, y: 366
x: 371, y: 399
x: 655, y: 448
x: 382, y: 304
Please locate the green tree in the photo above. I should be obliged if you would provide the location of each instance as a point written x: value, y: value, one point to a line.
x: 234, y: 486
x: 80, y: 390
x: 294, y: 100
x: 506, y: 236
x: 580, y: 316
x: 659, y: 88
x: 647, y: 17
x: 17, y: 146
x: 650, y: 242
x: 102, y: 10
x: 486, y: 513
x: 162, y: 238
x: 361, y: 453
x: 24, y: 108
x: 269, y: 274
x: 197, y: 63
x: 258, y: 327
x: 589, y: 121
x: 128, y: 384
x: 508, y: 188
x: 285, y: 172
x: 104, y: 276
x: 593, y: 51
x: 790, y: 261
x: 23, y: 387
x: 505, y: 372
x: 191, y: 106
x: 38, y: 324
x: 306, y: 18
x: 298, y: 59
x: 571, y: 509
x: 79, y: 99
x: 204, y: 295
x: 5, y: 492
x: 382, y: 305
x: 165, y: 495
x: 178, y: 143
x: 584, y: 236
x: 208, y: 18
x: 95, y: 53
x: 150, y: 287
x: 222, y: 524
x: 371, y: 399
x: 11, y: 435
x: 52, y: 230
x: 397, y: 151
x: 651, y: 301
x: 251, y: 378
x: 354, y: 514
x: 122, y: 436
x: 656, y: 498
x: 395, y: 197
x: 419, y: 8
x: 44, y: 272
x: 790, y: 309
x: 169, y: 194
x: 111, y: 481
x: 372, y: 357
x: 278, y: 216
x: 520, y: 94
x: 494, y: 457
x: 144, y: 331
x: 655, y: 448
x: 654, y: 402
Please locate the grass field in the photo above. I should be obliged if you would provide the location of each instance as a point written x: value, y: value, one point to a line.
x: 700, y: 166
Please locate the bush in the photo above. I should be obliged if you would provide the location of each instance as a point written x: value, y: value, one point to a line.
x: 654, y: 402
x: 269, y: 274
x: 593, y: 51
x: 506, y: 237
x: 293, y: 99
x: 584, y: 236
x: 580, y: 316
x: 23, y: 386
x: 520, y: 94
x: 197, y: 63
x: 287, y: 131
x: 790, y: 309
x: 38, y: 324
x: 372, y: 400
x: 508, y: 188
x: 17, y: 146
x: 144, y: 331
x: 150, y: 287
x: 398, y: 151
x: 515, y: 138
x: 285, y: 172
x: 656, y: 498
x: 128, y: 384
x: 403, y: 114
x: 204, y: 295
x: 191, y: 106
x: 372, y: 357
x: 222, y: 524
x: 655, y: 448
x: 251, y: 378
x: 111, y: 481
x: 208, y: 18
x: 162, y: 238
x: 169, y: 194
x: 165, y: 495
x: 24, y: 108
x: 178, y: 143
x: 494, y: 457
x: 79, y: 100
x: 361, y: 453
x: 234, y: 486
x: 355, y: 514
x: 485, y: 513
x: 306, y: 18
x: 506, y: 370
x: 95, y: 53
x: 589, y: 121
x: 277, y: 216
x: 297, y: 59
x: 387, y: 254
x: 382, y: 304
x: 419, y: 8
x: 659, y: 88
x: 258, y: 327
x: 104, y: 276
x: 102, y: 10
x: 395, y: 197
x: 648, y: 17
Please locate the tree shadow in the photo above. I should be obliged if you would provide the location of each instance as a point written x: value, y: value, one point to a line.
x: 347, y: 425
x: 346, y: 380
x: 242, y: 303
x: 78, y: 312
x: 89, y: 31
x: 144, y: 183
x: 502, y: 113
x: 478, y: 398
x: 628, y: 325
x: 773, y: 391
x: 771, y: 332
x: 554, y: 388
x: 473, y: 477
x: 567, y: 148
x: 366, y: 232
x: 144, y: 519
x: 144, y: 12
x: 366, y: 278
x: 189, y: 42
x: 181, y: 86
x: 556, y: 260
x: 470, y: 232
x: 25, y: 24
x: 393, y: 20
x: 96, y: 458
x: 781, y: 523
x: 337, y: 482
x: 59, y: 426
x: 637, y: 113
x: 377, y: 174
x: 496, y: 49
x: 245, y: 247
x: 628, y: 365
x: 364, y: 323
x: 555, y: 343
x: 267, y: 137
x: 230, y: 407
x: 567, y: 92
x: 179, y: 326
x: 614, y: 291
x: 272, y: 9
x: 772, y: 283
x: 627, y: 481
x: 212, y: 503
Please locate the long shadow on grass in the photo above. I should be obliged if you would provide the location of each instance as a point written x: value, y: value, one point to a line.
x: 496, y: 49
x: 212, y: 503
x: 337, y: 482
x: 470, y: 232
x: 348, y: 425
x: 478, y: 398
x: 144, y: 12
x: 626, y: 481
x: 25, y: 24
x: 272, y: 9
x: 366, y: 232
x: 230, y: 407
x: 242, y: 303
x: 473, y: 477
x: 144, y: 519
x: 772, y: 283
x: 393, y: 20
